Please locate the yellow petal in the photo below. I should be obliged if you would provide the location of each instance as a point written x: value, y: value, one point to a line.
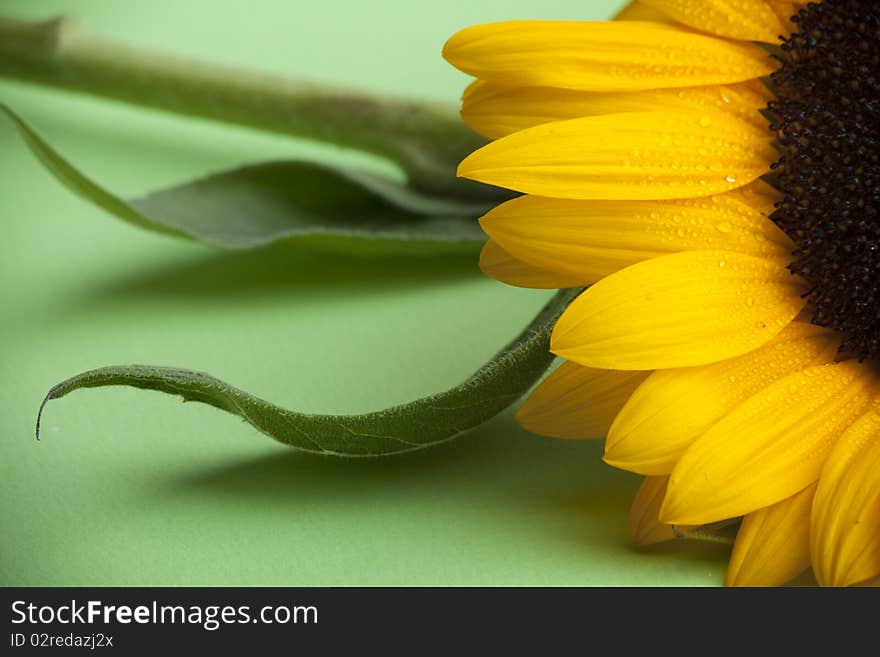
x: 602, y: 56
x: 673, y: 408
x: 785, y: 10
x: 758, y: 195
x: 845, y: 541
x: 500, y: 265
x: 751, y: 20
x: 628, y: 156
x: 773, y: 544
x: 577, y: 402
x: 768, y: 448
x: 636, y: 11
x: 874, y: 582
x: 678, y: 310
x: 644, y: 521
x: 495, y: 110
x: 588, y: 240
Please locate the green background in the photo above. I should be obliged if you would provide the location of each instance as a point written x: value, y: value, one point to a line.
x: 134, y: 488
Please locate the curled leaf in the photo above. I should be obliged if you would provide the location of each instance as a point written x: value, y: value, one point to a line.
x: 261, y: 204
x: 414, y: 425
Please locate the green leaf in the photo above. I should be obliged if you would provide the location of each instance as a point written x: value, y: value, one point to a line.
x: 262, y: 204
x: 253, y: 206
x: 415, y: 425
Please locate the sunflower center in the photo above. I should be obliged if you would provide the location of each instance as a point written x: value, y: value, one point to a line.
x: 827, y: 119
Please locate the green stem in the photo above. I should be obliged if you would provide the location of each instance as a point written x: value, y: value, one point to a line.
x: 426, y: 139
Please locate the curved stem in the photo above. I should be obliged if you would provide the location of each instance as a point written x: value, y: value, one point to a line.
x: 426, y: 139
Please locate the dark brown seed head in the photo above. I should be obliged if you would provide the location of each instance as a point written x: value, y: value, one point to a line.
x: 827, y: 120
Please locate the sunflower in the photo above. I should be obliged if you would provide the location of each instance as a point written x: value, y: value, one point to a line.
x: 708, y: 171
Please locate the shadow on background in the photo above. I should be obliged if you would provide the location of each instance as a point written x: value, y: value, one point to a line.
x: 512, y: 462
x: 562, y: 485
x: 283, y: 267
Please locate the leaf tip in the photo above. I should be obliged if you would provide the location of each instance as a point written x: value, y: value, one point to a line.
x: 52, y: 394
